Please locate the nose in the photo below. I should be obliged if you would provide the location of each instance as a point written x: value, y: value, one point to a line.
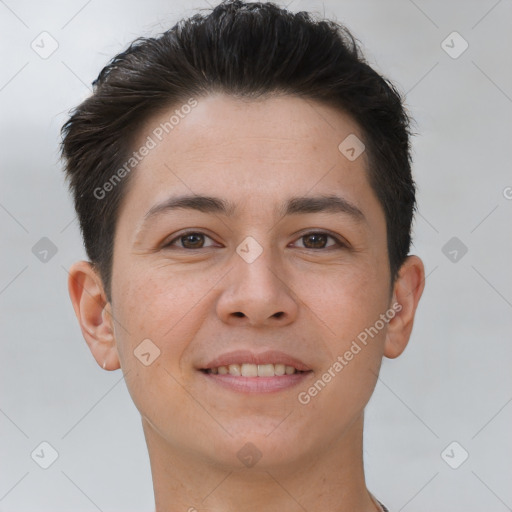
x: 257, y: 294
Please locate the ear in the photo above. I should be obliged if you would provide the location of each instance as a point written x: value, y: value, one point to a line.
x: 407, y: 292
x: 94, y: 314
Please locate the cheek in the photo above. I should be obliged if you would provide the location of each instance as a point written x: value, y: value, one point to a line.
x: 352, y: 307
x: 349, y: 310
x: 160, y: 304
x: 345, y: 301
x: 152, y: 307
x: 146, y: 307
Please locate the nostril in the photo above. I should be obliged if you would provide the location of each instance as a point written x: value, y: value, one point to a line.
x: 239, y: 314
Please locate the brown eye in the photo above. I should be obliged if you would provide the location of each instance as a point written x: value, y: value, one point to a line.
x: 315, y: 241
x: 190, y: 240
x: 319, y: 240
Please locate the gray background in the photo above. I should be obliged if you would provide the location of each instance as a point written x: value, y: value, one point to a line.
x: 453, y: 383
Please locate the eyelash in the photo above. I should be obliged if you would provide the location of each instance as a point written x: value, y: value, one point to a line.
x: 340, y: 244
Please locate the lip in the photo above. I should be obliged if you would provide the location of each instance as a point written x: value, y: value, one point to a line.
x: 247, y: 356
x: 257, y: 384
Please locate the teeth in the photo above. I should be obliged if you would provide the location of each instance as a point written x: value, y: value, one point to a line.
x: 254, y: 370
x: 234, y: 369
x: 279, y: 369
x: 249, y: 370
x: 266, y: 370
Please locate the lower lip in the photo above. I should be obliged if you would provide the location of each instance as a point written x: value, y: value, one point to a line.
x: 257, y: 384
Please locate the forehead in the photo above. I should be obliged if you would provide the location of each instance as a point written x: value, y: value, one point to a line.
x: 248, y: 128
x: 252, y: 151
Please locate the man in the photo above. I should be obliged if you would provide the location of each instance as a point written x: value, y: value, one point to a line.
x: 244, y: 191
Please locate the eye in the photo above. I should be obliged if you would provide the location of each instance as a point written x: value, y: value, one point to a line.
x: 189, y: 240
x: 196, y: 240
x: 318, y: 240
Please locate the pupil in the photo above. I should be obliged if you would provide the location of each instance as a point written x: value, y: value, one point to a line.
x: 194, y: 237
x: 320, y: 237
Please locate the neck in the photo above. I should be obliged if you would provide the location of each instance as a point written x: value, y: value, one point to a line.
x: 331, y: 479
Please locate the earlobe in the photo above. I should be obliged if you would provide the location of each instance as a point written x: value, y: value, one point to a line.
x: 407, y: 292
x: 93, y: 313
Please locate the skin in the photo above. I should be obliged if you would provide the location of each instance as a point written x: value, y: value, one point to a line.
x: 195, y: 304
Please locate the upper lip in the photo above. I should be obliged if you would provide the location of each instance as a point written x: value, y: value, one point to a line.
x: 247, y: 356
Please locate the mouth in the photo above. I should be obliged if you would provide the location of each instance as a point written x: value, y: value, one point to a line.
x: 254, y: 370
x: 248, y: 372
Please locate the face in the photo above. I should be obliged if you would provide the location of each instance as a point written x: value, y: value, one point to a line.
x: 253, y: 269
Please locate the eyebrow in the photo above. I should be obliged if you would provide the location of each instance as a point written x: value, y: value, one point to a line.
x: 293, y: 206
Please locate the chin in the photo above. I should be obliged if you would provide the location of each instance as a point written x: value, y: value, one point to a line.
x: 257, y: 450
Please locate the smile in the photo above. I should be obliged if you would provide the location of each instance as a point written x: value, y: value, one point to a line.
x: 254, y: 370
x: 246, y: 371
